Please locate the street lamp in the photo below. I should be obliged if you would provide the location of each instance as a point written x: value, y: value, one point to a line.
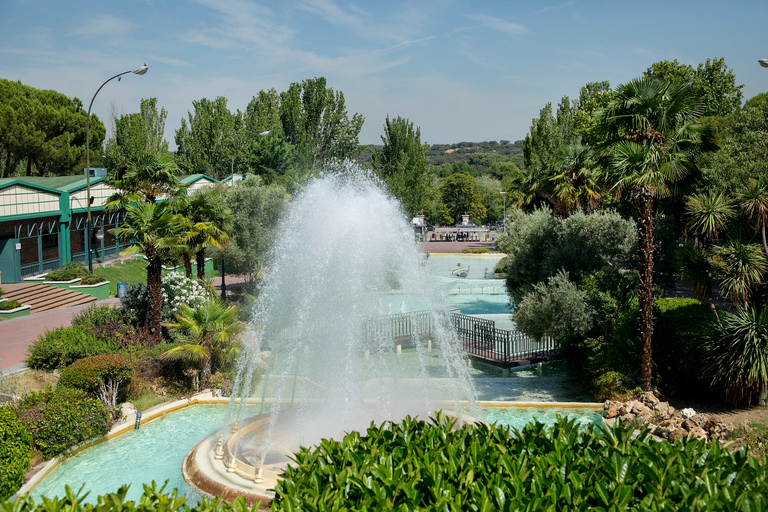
x: 763, y: 62
x: 504, y: 193
x: 139, y: 71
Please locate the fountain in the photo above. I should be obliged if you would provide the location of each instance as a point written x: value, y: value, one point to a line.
x: 334, y: 350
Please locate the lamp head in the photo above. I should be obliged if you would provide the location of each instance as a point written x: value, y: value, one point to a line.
x: 143, y: 69
x: 262, y: 134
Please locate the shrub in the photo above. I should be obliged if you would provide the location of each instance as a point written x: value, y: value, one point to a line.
x: 61, y: 419
x: 70, y: 270
x: 15, y: 445
x: 476, y: 251
x: 152, y: 499
x: 10, y: 304
x: 108, y: 324
x: 501, y: 266
x: 678, y: 343
x: 100, y: 375
x: 177, y: 290
x: 93, y: 279
x: 64, y: 345
x: 1, y: 292
x: 419, y: 466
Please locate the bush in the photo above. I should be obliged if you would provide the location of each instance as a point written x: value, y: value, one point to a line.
x: 152, y: 499
x: 501, y: 266
x: 15, y: 445
x: 177, y: 290
x: 61, y: 419
x: 100, y: 375
x: 10, y: 304
x: 70, y: 270
x: 419, y: 466
x: 476, y: 251
x: 93, y: 279
x: 110, y: 324
x: 677, y: 344
x: 64, y: 345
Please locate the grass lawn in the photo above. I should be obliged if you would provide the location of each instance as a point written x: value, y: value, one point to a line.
x: 132, y: 272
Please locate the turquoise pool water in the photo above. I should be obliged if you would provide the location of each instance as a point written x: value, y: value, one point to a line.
x: 155, y: 451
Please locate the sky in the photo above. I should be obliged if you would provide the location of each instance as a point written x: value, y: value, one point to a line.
x: 459, y: 70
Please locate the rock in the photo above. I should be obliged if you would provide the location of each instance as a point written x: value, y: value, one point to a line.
x: 639, y: 408
x: 626, y: 418
x: 688, y: 413
x: 613, y: 410
x: 690, y: 425
x: 698, y: 419
x: 677, y: 434
x: 606, y: 405
x: 711, y: 422
x: 698, y: 433
x: 649, y: 399
x: 664, y: 410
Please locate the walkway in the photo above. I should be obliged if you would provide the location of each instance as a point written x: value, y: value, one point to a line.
x: 19, y: 333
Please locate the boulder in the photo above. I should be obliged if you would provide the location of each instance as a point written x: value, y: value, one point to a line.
x: 612, y: 411
x: 649, y: 399
x: 626, y: 418
x: 639, y: 408
x: 698, y: 433
x: 664, y: 410
x: 677, y: 434
x: 688, y: 413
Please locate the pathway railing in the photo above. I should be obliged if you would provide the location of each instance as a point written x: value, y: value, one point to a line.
x: 479, y: 337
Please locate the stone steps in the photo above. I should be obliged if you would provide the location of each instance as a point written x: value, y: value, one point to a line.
x: 42, y: 297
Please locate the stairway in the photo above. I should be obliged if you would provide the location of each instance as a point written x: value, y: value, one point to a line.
x: 42, y: 297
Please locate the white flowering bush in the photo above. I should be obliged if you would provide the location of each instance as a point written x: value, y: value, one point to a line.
x: 177, y: 290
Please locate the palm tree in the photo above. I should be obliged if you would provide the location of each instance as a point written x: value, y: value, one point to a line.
x: 754, y: 203
x: 209, y: 215
x: 694, y: 267
x: 742, y: 268
x: 709, y: 214
x: 574, y: 184
x: 735, y: 355
x: 209, y: 332
x: 649, y: 131
x: 152, y: 229
x: 150, y: 176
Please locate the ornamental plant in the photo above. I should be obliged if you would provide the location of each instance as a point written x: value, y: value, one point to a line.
x: 60, y: 419
x: 418, y: 465
x: 15, y: 445
x: 9, y: 304
x: 62, y: 346
x: 176, y: 290
x: 100, y: 375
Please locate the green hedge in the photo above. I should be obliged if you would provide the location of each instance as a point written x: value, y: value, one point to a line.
x: 88, y: 374
x: 60, y: 419
x: 64, y: 345
x: 153, y: 499
x: 15, y: 445
x: 416, y: 465
x: 10, y: 304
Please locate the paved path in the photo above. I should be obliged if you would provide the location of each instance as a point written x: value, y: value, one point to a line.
x: 454, y: 246
x: 17, y: 334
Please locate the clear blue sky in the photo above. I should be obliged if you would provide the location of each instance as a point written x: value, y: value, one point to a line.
x: 462, y: 71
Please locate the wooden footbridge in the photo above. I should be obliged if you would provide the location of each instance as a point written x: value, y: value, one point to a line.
x: 480, y: 338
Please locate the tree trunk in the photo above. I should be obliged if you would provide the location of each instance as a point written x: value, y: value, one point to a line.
x: 155, y: 295
x: 29, y: 167
x: 765, y: 245
x: 200, y: 255
x: 187, y: 264
x: 645, y: 228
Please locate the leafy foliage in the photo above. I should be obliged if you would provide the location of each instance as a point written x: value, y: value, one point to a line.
x: 61, y: 419
x: 61, y: 346
x: 153, y: 499
x: 15, y: 445
x: 99, y: 375
x: 416, y: 465
x: 736, y: 354
x: 9, y: 304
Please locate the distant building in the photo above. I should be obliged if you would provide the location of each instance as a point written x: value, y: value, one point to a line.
x: 42, y: 222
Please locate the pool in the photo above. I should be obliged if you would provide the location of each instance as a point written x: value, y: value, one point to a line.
x: 155, y: 451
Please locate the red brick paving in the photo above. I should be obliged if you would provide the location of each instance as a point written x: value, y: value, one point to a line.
x: 17, y: 334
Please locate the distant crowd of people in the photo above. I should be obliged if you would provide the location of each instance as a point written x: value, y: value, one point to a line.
x: 459, y: 236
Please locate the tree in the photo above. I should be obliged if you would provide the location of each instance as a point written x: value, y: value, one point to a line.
x: 461, y: 196
x: 152, y: 229
x: 753, y: 202
x: 208, y: 331
x: 709, y: 214
x: 205, y: 139
x: 742, y: 268
x: 650, y: 131
x: 315, y: 121
x: 713, y: 83
x: 44, y: 128
x: 208, y: 216
x: 256, y: 210
x: 403, y: 165
x: 735, y: 355
x: 149, y: 177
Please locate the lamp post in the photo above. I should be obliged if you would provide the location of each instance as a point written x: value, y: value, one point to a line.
x: 139, y: 71
x: 504, y: 194
x: 763, y: 62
